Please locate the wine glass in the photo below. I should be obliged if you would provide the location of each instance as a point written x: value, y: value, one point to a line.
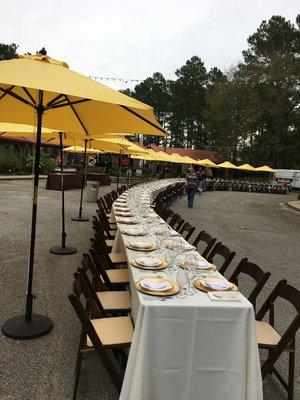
x: 181, y: 278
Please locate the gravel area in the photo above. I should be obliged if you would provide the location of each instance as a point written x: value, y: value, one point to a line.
x: 253, y: 225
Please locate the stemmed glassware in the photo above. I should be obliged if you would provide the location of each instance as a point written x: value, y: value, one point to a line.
x: 191, y: 268
x: 181, y: 278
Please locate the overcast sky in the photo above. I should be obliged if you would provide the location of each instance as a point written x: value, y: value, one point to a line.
x: 135, y: 38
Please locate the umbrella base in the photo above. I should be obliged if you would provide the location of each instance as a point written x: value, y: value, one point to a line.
x: 63, y: 251
x: 20, y: 329
x: 80, y: 219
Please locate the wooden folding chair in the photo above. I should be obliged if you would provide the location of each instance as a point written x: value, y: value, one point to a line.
x: 256, y: 273
x: 223, y: 251
x: 101, y: 232
x: 186, y: 230
x: 268, y: 337
x: 207, y: 239
x: 114, y: 259
x: 117, y: 276
x: 106, y: 335
x: 112, y: 301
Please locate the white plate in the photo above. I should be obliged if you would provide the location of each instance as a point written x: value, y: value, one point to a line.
x: 216, y: 284
x: 148, y: 261
x: 156, y: 287
x: 141, y: 245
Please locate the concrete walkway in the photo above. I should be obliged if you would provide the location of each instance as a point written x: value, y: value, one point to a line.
x: 19, y: 177
x: 294, y: 204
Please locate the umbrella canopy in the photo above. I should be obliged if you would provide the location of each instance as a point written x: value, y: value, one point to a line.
x: 206, y: 163
x: 77, y: 103
x: 38, y: 87
x: 246, y: 167
x: 226, y: 164
x: 161, y: 156
x: 118, y: 145
x: 147, y: 157
x: 265, y: 168
x: 176, y: 158
x: 79, y: 149
x: 188, y: 160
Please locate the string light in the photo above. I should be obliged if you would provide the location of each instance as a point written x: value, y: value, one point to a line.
x: 105, y: 78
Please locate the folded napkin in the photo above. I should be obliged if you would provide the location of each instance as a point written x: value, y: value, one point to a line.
x: 141, y: 245
x: 174, y: 233
x: 155, y: 286
x: 203, y: 264
x: 216, y: 284
x: 133, y: 231
x: 148, y: 261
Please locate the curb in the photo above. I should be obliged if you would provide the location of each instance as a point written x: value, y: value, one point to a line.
x: 19, y: 177
x: 294, y: 205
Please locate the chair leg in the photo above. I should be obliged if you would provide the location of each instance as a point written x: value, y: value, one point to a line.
x: 291, y: 376
x: 77, y: 374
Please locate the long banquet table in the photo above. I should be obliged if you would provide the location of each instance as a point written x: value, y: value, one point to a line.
x: 189, y: 348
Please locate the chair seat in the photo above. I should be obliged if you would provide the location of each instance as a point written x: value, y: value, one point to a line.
x: 118, y: 258
x: 266, y: 334
x: 109, y: 242
x: 115, y: 300
x: 120, y: 275
x: 114, y: 331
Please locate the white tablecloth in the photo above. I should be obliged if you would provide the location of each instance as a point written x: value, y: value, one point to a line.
x: 192, y: 348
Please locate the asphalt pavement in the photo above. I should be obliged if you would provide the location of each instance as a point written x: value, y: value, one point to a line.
x: 256, y: 226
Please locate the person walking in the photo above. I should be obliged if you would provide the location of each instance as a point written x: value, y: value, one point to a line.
x: 192, y: 184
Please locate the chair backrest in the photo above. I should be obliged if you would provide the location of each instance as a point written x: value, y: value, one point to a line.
x: 101, y: 202
x: 207, y: 239
x: 89, y: 330
x: 186, y: 230
x: 178, y: 224
x: 99, y: 248
x: 175, y: 218
x: 101, y: 266
x: 292, y: 295
x: 89, y: 266
x: 168, y: 214
x: 256, y: 273
x: 223, y: 251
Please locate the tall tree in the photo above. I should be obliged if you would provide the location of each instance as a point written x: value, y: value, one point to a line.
x: 188, y: 103
x: 8, y: 51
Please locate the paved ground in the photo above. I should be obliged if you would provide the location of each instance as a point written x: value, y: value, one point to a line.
x: 254, y: 225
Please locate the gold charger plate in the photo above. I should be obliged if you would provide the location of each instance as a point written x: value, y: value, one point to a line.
x: 198, y: 285
x: 130, y: 222
x: 182, y: 265
x: 152, y: 248
x: 158, y: 267
x: 175, y: 289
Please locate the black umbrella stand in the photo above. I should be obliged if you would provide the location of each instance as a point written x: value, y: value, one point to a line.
x: 80, y: 218
x: 63, y: 249
x: 119, y: 167
x: 29, y: 325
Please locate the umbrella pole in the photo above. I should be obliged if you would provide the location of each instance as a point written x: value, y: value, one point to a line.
x: 119, y: 166
x: 31, y: 326
x: 63, y: 249
x: 80, y: 218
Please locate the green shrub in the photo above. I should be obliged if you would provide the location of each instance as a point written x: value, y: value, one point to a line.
x: 47, y: 164
x: 9, y: 162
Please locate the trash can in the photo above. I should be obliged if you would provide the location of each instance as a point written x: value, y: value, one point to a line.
x: 91, y: 191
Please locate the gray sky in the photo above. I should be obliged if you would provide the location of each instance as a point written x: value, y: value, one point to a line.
x: 135, y: 38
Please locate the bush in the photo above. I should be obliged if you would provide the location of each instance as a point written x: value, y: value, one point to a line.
x: 47, y: 164
x: 9, y: 162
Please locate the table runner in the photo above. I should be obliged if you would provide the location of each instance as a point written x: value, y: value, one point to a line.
x: 188, y: 349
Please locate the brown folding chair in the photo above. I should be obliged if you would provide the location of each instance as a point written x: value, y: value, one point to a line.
x: 268, y: 338
x: 186, y: 230
x: 253, y: 270
x: 114, y: 259
x: 178, y: 224
x: 98, y: 229
x: 174, y: 220
x: 223, y: 251
x: 207, y: 239
x: 116, y: 276
x: 105, y: 335
x: 111, y: 301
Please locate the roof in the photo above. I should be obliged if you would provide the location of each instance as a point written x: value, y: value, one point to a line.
x: 28, y: 140
x: 193, y: 153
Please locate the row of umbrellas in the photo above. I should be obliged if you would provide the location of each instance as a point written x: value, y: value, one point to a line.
x: 39, y: 91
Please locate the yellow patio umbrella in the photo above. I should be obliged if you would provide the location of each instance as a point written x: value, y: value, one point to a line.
x: 46, y: 90
x: 188, y: 160
x: 78, y: 149
x: 246, y: 167
x: 226, y: 164
x: 161, y: 156
x: 53, y: 137
x: 265, y: 168
x: 176, y: 158
x: 145, y: 156
x: 206, y: 162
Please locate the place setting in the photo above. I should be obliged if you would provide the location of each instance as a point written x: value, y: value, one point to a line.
x: 157, y: 286
x: 136, y: 231
x: 149, y: 263
x: 141, y: 245
x: 127, y: 220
